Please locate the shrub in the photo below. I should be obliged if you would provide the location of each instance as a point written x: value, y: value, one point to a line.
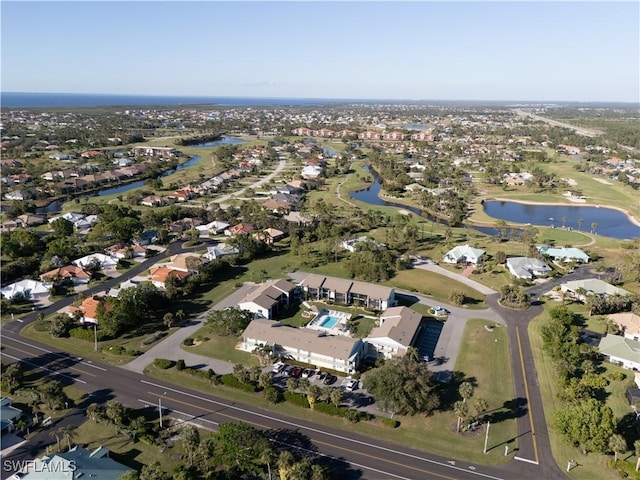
x: 120, y: 350
x: 297, y: 399
x: 273, y: 395
x: 153, y: 338
x: 231, y: 381
x: 389, y: 422
x: 163, y: 363
x: 180, y: 365
x: 188, y: 342
x: 617, y: 376
x: 328, y: 408
x: 82, y: 333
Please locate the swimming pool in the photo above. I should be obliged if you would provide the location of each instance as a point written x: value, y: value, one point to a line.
x: 329, y: 322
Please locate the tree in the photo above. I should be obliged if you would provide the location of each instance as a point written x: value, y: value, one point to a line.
x: 588, y: 424
x: 580, y: 222
x: 313, y: 394
x: 594, y: 227
x: 52, y: 392
x: 239, y: 445
x: 457, y: 297
x: 12, y: 377
x: 230, y: 321
x: 403, y: 386
x: 191, y: 440
x: 636, y: 447
x: 62, y: 228
x: 56, y: 434
x: 92, y: 411
x: 465, y: 390
x: 168, y: 319
x: 617, y: 444
x: 68, y: 433
x: 480, y: 405
x: 500, y: 257
x: 153, y: 471
x: 461, y: 410
x: 115, y: 412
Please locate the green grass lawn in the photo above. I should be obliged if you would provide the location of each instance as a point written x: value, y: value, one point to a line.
x: 481, y: 359
x: 592, y: 466
x: 436, y: 286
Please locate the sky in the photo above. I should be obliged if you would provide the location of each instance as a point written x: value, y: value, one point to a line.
x: 416, y: 50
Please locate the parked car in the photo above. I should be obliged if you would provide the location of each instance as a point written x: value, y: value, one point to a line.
x: 308, y: 373
x: 440, y: 310
x: 278, y: 367
x: 321, y: 376
x: 351, y: 385
x: 295, y: 372
x: 329, y: 379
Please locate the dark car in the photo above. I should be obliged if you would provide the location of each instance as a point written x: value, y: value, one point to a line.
x: 308, y: 373
x: 329, y: 379
x: 321, y: 376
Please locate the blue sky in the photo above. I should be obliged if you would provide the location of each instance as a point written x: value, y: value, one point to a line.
x: 572, y: 51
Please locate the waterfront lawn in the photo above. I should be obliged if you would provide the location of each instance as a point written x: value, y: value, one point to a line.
x: 435, y: 286
x: 592, y: 466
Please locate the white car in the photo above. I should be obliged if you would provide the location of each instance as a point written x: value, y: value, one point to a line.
x: 277, y: 367
x: 351, y: 385
x: 440, y: 310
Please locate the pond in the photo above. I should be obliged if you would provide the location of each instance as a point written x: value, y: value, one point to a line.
x: 610, y: 222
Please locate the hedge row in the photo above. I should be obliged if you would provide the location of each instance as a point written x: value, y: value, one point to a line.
x: 231, y: 381
x: 163, y: 363
x: 297, y: 399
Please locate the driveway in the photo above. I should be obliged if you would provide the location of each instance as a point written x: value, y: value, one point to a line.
x: 170, y: 348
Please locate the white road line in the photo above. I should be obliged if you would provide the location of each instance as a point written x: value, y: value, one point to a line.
x: 151, y: 404
x: 44, y: 368
x: 56, y: 353
x: 526, y: 460
x: 371, y: 445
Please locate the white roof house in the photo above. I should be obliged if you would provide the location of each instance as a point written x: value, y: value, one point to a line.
x: 72, y: 217
x: 220, y: 250
x: 26, y: 288
x: 215, y: 227
x: 525, y: 267
x: 593, y: 286
x: 106, y: 262
x: 565, y: 254
x: 396, y: 332
x: 336, y: 352
x: 463, y: 253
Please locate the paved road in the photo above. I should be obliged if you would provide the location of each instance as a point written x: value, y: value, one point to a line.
x: 456, y: 276
x: 348, y: 455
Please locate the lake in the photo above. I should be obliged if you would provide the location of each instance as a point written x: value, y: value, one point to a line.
x: 217, y: 143
x: 611, y: 223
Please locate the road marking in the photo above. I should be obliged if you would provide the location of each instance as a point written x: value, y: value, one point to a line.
x: 150, y: 404
x: 526, y: 460
x: 311, y: 429
x: 526, y: 392
x: 43, y: 368
x: 52, y: 352
x: 70, y: 368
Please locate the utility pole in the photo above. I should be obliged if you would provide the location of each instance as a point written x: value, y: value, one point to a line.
x: 486, y: 437
x: 95, y: 336
x: 160, y: 410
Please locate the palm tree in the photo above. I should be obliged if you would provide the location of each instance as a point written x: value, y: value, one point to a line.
x: 180, y: 314
x: 617, y: 444
x: 56, y: 434
x: 461, y: 410
x: 92, y: 411
x: 580, y: 222
x: 336, y: 395
x: 68, y: 432
x: 465, y: 390
x: 564, y: 221
x: 594, y: 227
x: 480, y: 405
x: 413, y: 354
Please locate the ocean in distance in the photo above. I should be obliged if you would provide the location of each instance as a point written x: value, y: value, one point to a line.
x: 61, y: 100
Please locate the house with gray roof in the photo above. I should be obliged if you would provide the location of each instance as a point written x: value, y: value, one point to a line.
x: 77, y: 463
x: 621, y: 350
x: 526, y: 267
x: 564, y: 254
x: 592, y: 286
x: 398, y: 329
x: 9, y: 415
x: 315, y: 347
x: 269, y: 299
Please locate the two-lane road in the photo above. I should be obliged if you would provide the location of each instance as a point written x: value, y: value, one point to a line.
x: 348, y: 454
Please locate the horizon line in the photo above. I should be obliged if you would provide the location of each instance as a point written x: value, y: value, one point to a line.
x: 324, y: 98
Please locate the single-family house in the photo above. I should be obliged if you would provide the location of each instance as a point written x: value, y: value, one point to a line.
x: 564, y: 254
x: 239, y: 229
x: 181, y: 262
x: 88, y: 309
x: 9, y: 415
x: 629, y: 323
x: 72, y: 273
x: 621, y: 350
x: 398, y: 329
x: 220, y: 250
x: 269, y: 235
x: 526, y: 267
x: 464, y: 253
x: 336, y: 352
x: 592, y: 286
x: 269, y: 299
x: 146, y: 238
x: 31, y: 289
x: 159, y: 275
x: 216, y: 227
x: 99, y: 260
x: 77, y: 463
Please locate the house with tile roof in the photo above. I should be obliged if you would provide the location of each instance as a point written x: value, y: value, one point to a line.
x: 621, y: 350
x: 629, y: 323
x: 397, y: 329
x: 315, y: 347
x: 72, y: 273
x: 159, y: 275
x: 88, y: 309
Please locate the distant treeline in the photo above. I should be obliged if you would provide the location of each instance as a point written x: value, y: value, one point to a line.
x: 185, y: 142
